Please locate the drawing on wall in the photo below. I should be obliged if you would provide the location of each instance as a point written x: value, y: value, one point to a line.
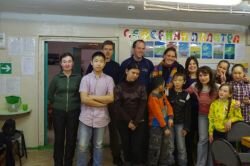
x: 176, y: 36
x: 206, y: 51
x: 218, y: 51
x: 195, y: 50
x: 161, y: 34
x: 194, y: 37
x: 153, y: 34
x: 149, y: 50
x: 229, y: 51
x: 159, y: 49
x: 126, y: 33
x: 209, y: 37
x: 205, y: 45
x: 183, y: 49
x: 144, y: 34
x: 135, y: 34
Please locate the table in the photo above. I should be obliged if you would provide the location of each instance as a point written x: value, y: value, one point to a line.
x: 246, y: 141
x: 4, y: 112
x: 245, y: 157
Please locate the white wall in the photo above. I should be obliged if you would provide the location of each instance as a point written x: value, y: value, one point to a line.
x: 71, y: 28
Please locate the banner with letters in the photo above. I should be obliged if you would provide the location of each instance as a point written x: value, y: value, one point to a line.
x: 202, y: 45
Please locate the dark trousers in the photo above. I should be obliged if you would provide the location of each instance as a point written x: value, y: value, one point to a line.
x: 132, y: 142
x: 217, y: 134
x: 191, y: 147
x: 192, y: 135
x: 65, y: 131
x: 115, y: 143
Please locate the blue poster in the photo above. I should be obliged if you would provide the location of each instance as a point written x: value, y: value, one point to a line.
x: 159, y: 49
x: 149, y: 51
x: 206, y: 51
x: 218, y: 51
x: 229, y: 51
x: 183, y: 49
x: 195, y: 50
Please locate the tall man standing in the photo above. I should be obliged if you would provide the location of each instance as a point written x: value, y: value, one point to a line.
x: 145, y: 65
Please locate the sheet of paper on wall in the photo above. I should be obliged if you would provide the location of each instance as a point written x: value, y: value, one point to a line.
x: 28, y: 65
x: 14, y: 46
x: 2, y: 87
x: 29, y: 45
x: 20, y: 46
x: 12, y: 85
x: 240, y: 50
x: 2, y: 40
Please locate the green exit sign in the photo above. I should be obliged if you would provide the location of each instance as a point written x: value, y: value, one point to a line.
x: 5, y: 68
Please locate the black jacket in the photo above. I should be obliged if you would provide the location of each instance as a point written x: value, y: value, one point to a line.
x: 181, y: 105
x: 130, y: 101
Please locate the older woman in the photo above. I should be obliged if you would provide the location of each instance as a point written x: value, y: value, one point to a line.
x: 65, y: 99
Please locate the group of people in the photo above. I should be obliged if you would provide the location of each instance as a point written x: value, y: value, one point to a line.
x: 156, y: 115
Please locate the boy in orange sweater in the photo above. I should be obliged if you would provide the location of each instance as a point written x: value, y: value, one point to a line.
x: 160, y: 150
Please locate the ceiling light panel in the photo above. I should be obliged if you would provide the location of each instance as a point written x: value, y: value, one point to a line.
x: 206, y: 2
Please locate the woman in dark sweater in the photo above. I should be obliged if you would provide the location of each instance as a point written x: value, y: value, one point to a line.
x: 130, y: 103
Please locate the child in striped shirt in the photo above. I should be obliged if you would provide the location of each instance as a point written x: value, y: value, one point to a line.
x: 241, y: 90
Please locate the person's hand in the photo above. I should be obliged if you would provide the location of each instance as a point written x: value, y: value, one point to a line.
x: 167, y: 132
x: 211, y: 138
x: 223, y: 77
x: 131, y: 125
x: 170, y: 122
x: 184, y: 132
x: 237, y: 104
x: 169, y: 85
x: 246, y: 79
x: 245, y: 100
x: 91, y: 97
x: 165, y: 91
x: 228, y: 125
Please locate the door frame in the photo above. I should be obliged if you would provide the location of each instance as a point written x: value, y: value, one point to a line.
x: 43, y: 79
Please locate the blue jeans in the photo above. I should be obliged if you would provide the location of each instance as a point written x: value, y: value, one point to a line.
x: 181, y: 146
x: 204, y: 157
x: 84, y: 137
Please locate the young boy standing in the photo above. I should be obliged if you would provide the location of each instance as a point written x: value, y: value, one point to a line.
x: 180, y: 102
x: 96, y: 91
x: 160, y: 119
x: 112, y: 69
